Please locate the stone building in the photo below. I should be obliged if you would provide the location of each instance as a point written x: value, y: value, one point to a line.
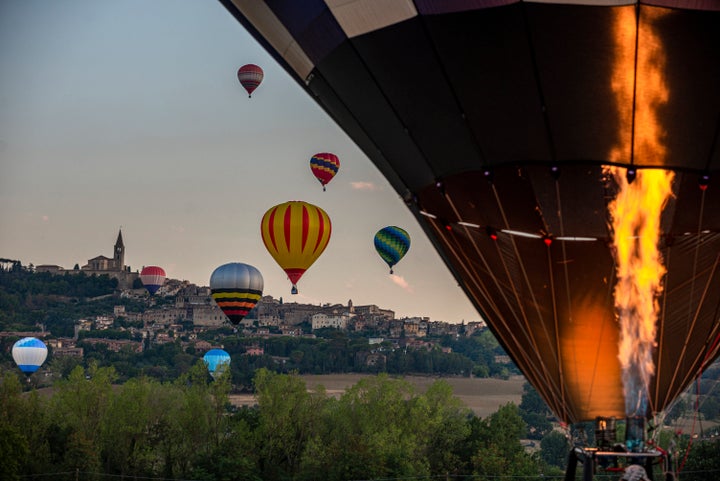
x: 112, y: 267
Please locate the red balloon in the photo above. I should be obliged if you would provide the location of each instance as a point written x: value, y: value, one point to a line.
x: 250, y: 76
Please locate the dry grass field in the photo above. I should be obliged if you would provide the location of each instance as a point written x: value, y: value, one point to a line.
x: 483, y: 396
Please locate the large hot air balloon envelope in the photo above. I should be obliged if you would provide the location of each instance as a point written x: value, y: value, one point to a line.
x: 391, y: 243
x: 324, y: 166
x: 29, y: 353
x: 236, y: 288
x: 152, y: 277
x: 494, y: 120
x: 250, y: 77
x: 295, y: 234
x: 217, y: 361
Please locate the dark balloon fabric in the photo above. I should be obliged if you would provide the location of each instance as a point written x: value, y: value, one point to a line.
x: 493, y: 121
x: 236, y: 288
x: 391, y: 243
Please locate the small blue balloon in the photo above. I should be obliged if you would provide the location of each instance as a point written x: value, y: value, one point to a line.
x: 217, y: 361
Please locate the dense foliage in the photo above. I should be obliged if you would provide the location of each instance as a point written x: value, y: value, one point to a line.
x: 29, y: 299
x: 380, y: 428
x: 186, y: 429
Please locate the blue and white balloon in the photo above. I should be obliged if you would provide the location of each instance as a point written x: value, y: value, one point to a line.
x: 29, y: 353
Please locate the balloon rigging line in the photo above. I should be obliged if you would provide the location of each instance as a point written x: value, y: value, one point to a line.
x: 688, y: 323
x: 558, y: 354
x: 530, y: 366
x: 529, y: 331
x: 553, y: 298
x: 683, y: 352
x: 661, y: 330
x: 567, y: 290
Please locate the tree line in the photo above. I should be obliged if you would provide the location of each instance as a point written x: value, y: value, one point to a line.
x: 187, y: 429
x: 381, y: 428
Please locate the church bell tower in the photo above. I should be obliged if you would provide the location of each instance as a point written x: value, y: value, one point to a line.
x: 119, y: 256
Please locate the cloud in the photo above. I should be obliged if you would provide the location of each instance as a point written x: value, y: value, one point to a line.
x: 45, y: 218
x: 400, y: 281
x: 177, y: 228
x: 363, y: 186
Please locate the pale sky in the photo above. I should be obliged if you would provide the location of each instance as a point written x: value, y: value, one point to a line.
x: 129, y: 114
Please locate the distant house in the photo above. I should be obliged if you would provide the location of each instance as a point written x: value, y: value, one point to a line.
x: 254, y: 351
x: 52, y: 269
x: 202, y: 346
x: 116, y: 345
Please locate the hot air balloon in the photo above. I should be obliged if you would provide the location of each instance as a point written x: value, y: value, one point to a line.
x: 29, y: 353
x: 497, y: 126
x: 295, y: 233
x: 391, y: 243
x: 324, y: 166
x: 236, y: 288
x: 250, y: 77
x: 152, y: 277
x: 217, y: 361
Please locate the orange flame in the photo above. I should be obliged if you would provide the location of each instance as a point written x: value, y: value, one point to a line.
x: 635, y: 212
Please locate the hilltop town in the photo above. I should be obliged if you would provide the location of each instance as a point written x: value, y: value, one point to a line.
x: 184, y: 313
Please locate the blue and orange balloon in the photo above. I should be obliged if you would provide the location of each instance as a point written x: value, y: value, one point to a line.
x: 250, y: 77
x: 236, y: 288
x: 29, y: 354
x: 217, y: 362
x: 324, y: 166
x: 152, y: 277
x: 392, y: 243
x: 295, y: 234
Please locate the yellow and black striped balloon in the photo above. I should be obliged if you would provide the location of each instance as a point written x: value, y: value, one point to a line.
x: 236, y: 288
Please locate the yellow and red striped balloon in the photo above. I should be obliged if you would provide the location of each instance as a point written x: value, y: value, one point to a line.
x: 295, y: 234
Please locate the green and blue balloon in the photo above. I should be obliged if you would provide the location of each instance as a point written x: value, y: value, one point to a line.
x: 392, y: 243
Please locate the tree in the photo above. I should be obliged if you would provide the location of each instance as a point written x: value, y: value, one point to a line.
x: 554, y: 449
x: 709, y: 408
x: 288, y: 416
x: 500, y: 452
x: 532, y: 402
x: 703, y: 462
x: 372, y: 432
x: 77, y: 411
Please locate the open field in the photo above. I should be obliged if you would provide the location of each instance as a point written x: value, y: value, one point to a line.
x: 483, y: 396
